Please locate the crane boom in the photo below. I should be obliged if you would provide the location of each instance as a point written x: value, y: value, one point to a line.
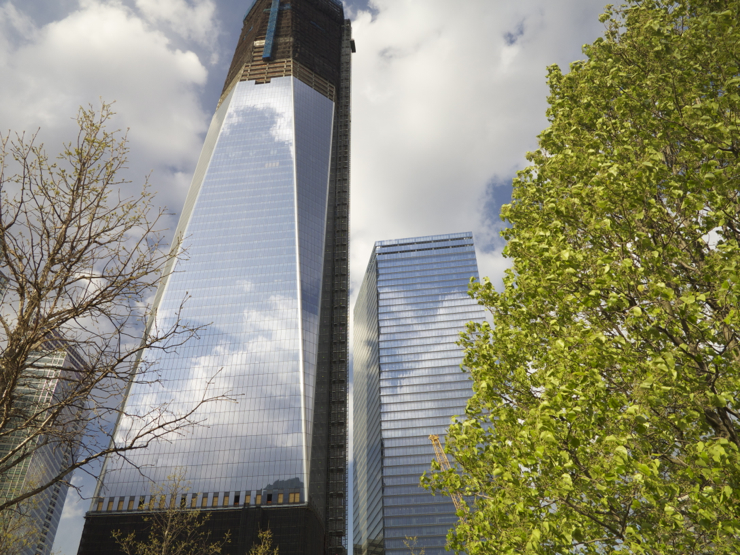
x: 444, y: 463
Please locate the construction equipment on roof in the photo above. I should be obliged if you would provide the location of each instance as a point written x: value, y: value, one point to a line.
x: 444, y: 463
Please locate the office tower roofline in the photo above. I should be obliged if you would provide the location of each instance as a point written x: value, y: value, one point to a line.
x: 424, y: 239
x: 338, y: 3
x: 301, y: 38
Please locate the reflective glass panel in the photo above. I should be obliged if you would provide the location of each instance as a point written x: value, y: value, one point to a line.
x: 251, y: 274
x: 410, y: 310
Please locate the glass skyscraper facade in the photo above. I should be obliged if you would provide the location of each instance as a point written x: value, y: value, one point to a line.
x: 50, y: 374
x: 264, y: 227
x: 408, y: 383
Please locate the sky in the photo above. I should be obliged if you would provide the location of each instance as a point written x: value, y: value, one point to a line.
x: 448, y: 96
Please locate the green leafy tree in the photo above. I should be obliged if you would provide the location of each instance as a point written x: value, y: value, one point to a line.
x: 606, y: 394
x: 173, y: 528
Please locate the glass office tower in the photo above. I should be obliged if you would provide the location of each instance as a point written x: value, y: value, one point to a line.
x: 411, y: 307
x: 50, y: 374
x: 265, y: 229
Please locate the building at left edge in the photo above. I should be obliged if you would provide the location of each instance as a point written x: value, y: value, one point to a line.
x: 265, y: 227
x: 32, y: 525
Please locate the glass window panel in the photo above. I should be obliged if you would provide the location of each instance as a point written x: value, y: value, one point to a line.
x: 254, y: 228
x: 412, y: 305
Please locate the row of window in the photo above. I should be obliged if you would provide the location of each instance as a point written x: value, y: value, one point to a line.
x: 404, y: 433
x: 424, y: 375
x: 403, y: 307
x: 431, y: 264
x: 422, y: 542
x: 452, y: 283
x: 442, y: 330
x: 452, y: 288
x: 422, y: 253
x: 463, y: 314
x: 435, y: 363
x: 420, y: 357
x: 397, y: 332
x: 422, y: 296
x: 459, y: 398
x: 414, y: 248
x: 442, y: 239
x: 193, y: 501
x: 463, y: 393
x: 456, y: 274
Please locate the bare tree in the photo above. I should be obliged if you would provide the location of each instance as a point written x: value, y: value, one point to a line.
x: 264, y: 547
x: 16, y: 529
x: 80, y: 265
x: 411, y: 544
x: 173, y: 529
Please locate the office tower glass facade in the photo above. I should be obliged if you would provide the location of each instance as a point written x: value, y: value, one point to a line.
x: 261, y: 308
x: 265, y: 230
x: 50, y: 375
x: 410, y: 310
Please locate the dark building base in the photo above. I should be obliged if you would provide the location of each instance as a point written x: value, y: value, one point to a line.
x: 295, y: 530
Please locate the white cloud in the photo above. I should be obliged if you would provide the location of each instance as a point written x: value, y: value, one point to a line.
x: 71, y: 520
x: 447, y: 99
x: 14, y: 25
x: 194, y: 20
x: 103, y: 50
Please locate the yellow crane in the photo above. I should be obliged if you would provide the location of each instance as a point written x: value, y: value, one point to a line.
x: 444, y: 463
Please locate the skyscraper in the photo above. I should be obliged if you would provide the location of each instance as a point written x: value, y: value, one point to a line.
x: 411, y: 307
x: 265, y: 226
x: 30, y: 527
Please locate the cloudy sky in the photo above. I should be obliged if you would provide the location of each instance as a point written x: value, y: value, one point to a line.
x: 448, y: 96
